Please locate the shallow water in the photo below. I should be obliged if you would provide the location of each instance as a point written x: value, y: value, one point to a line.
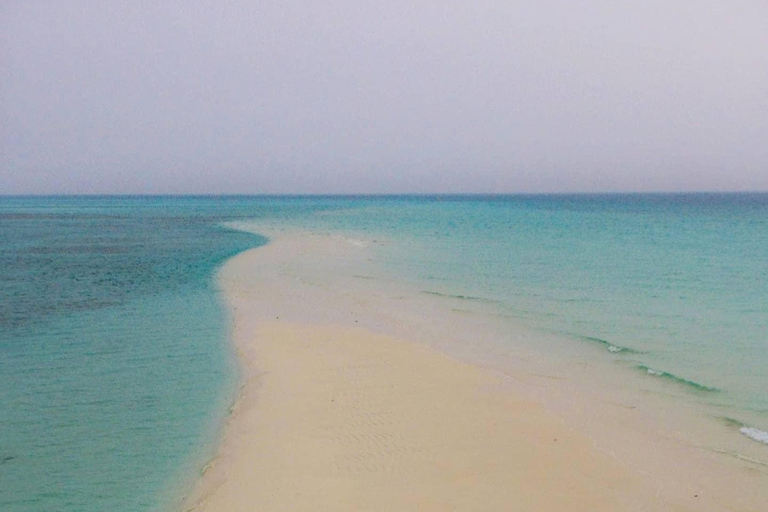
x: 115, y: 369
x: 675, y: 287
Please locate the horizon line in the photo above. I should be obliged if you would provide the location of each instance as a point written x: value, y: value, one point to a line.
x: 392, y: 194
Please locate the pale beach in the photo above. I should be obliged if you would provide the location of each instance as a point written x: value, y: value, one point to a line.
x: 345, y: 404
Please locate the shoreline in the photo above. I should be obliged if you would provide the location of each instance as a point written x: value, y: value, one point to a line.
x: 260, y: 318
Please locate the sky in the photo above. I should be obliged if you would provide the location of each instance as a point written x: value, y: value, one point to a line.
x: 257, y: 97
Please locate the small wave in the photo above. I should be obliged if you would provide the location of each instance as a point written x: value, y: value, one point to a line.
x: 755, y: 434
x: 460, y: 297
x: 695, y: 386
x: 609, y: 346
x: 751, y: 432
x: 731, y: 422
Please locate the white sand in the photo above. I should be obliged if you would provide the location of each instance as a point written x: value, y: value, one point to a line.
x: 335, y: 416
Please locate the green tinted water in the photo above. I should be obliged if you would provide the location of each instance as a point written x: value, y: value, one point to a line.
x: 114, y: 365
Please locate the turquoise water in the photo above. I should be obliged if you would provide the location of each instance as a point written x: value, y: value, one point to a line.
x: 114, y: 365
x: 674, y: 287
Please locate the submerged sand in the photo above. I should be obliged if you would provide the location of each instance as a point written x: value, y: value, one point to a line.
x: 335, y: 415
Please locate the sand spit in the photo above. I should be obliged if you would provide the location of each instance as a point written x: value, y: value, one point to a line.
x: 344, y: 419
x: 334, y: 415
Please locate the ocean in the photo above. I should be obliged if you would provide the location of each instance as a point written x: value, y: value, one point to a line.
x: 116, y: 371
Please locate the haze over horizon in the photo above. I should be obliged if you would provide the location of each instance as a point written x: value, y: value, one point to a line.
x: 350, y: 97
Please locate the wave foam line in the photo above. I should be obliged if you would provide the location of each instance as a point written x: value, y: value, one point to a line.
x: 461, y: 297
x: 755, y: 434
x: 679, y: 380
x: 615, y: 349
x: 751, y: 432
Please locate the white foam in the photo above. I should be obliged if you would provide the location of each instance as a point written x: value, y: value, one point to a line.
x: 651, y: 371
x: 612, y: 348
x: 754, y: 433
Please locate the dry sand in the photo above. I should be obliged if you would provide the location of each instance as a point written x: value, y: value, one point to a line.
x: 334, y: 416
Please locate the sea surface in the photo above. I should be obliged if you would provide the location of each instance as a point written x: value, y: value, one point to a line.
x: 116, y: 371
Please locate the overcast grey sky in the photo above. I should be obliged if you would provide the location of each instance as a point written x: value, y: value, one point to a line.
x: 380, y: 97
